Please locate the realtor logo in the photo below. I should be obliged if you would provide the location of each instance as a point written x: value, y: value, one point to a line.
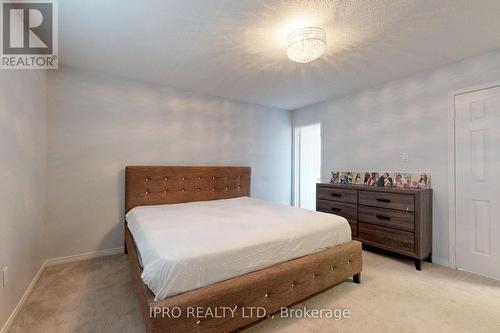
x: 29, y: 34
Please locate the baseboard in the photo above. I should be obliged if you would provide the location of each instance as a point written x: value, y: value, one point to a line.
x: 441, y: 262
x: 53, y: 262
x: 20, y: 304
x: 84, y: 256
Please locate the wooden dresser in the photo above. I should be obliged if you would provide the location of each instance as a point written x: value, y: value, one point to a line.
x: 394, y: 219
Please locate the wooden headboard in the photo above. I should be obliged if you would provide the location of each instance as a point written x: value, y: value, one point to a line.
x: 158, y: 185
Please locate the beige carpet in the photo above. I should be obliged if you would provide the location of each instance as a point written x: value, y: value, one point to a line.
x: 98, y: 296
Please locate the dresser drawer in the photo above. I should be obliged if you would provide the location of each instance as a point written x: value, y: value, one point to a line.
x: 338, y: 194
x: 387, y: 238
x: 387, y: 218
x: 349, y: 211
x: 397, y: 201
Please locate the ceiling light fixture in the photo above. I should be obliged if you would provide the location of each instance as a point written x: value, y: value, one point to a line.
x: 306, y: 44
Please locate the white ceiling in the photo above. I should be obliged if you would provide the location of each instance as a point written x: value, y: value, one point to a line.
x: 237, y: 48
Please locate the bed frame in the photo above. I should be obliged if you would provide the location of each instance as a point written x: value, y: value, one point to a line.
x: 252, y: 296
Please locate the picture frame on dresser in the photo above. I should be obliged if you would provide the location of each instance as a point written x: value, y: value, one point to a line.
x: 394, y: 219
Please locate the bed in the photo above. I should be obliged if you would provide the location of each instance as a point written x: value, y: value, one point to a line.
x: 206, y: 246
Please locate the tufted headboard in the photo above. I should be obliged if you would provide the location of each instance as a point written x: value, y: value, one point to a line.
x: 158, y: 185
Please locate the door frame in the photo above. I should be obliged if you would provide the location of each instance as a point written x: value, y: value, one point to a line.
x: 296, y: 156
x: 452, y: 163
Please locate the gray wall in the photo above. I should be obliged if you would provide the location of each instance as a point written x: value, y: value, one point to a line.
x: 370, y: 129
x: 98, y: 124
x: 22, y: 168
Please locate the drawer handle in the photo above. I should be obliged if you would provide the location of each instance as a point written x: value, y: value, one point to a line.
x: 335, y: 209
x: 383, y: 217
x: 383, y: 200
x: 336, y: 195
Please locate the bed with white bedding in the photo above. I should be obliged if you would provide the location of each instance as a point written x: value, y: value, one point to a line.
x: 205, y: 244
x: 190, y: 245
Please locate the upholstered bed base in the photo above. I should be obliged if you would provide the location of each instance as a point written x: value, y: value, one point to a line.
x: 237, y: 302
x: 270, y: 289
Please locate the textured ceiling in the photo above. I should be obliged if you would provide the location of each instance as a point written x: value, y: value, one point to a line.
x: 237, y: 48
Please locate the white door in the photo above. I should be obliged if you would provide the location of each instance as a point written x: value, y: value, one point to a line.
x: 477, y: 149
x: 307, y: 165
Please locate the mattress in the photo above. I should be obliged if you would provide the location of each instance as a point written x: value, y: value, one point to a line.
x: 187, y: 246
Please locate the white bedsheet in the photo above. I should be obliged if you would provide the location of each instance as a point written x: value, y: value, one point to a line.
x: 191, y: 245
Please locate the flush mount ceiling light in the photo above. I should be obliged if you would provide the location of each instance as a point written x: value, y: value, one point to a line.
x: 306, y: 44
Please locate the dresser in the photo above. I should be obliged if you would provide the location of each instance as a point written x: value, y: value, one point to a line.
x: 398, y: 220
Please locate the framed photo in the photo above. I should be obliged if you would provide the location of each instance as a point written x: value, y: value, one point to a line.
x: 345, y: 177
x: 371, y: 178
x: 422, y: 180
x: 335, y: 177
x: 358, y: 178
